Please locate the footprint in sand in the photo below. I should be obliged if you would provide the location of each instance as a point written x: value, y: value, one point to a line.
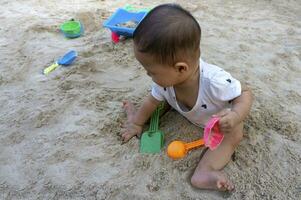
x: 44, y: 117
x: 58, y: 156
x: 42, y: 29
x: 13, y: 138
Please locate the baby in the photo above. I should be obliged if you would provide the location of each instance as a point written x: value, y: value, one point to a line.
x: 167, y: 44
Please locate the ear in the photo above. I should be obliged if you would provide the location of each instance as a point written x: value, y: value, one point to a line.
x: 181, y: 67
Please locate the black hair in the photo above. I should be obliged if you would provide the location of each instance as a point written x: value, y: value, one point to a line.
x: 167, y: 31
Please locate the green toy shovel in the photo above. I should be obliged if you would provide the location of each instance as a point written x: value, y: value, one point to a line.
x: 152, y: 140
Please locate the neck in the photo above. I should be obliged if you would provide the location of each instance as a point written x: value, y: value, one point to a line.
x: 191, y: 82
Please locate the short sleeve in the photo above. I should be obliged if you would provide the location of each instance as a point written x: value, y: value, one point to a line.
x: 157, y: 92
x: 224, y: 87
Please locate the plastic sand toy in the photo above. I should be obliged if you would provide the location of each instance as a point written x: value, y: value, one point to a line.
x: 212, y: 139
x: 132, y: 8
x: 115, y: 37
x: 152, y: 140
x: 119, y: 22
x: 72, y: 29
x: 178, y: 149
x: 66, y: 60
x: 212, y: 135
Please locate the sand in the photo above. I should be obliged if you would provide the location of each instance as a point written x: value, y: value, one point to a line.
x: 59, y: 134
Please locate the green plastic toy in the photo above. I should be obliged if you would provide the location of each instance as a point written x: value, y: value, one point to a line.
x: 72, y: 29
x: 132, y: 8
x: 153, y: 140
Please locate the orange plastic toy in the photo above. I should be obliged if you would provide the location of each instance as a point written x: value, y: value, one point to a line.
x: 178, y: 149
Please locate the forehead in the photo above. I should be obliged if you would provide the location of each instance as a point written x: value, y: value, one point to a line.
x: 149, y: 63
x: 144, y: 58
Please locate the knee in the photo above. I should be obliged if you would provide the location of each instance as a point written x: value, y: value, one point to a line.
x: 195, y: 182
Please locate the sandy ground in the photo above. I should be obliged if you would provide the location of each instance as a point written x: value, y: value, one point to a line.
x: 59, y: 133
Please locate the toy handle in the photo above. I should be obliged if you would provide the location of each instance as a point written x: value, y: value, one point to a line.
x: 50, y: 68
x: 194, y: 144
x: 154, y: 122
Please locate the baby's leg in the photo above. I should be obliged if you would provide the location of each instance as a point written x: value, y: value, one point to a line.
x: 208, y: 173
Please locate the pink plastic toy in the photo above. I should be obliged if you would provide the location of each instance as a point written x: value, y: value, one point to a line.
x: 212, y: 138
x: 212, y: 135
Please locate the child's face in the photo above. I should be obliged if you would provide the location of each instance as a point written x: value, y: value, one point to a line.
x: 162, y: 74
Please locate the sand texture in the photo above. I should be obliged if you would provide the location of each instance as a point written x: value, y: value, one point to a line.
x: 59, y: 134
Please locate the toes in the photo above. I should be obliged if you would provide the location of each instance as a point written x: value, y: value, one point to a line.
x: 126, y: 137
x: 224, y: 185
x: 230, y: 186
x: 221, y: 185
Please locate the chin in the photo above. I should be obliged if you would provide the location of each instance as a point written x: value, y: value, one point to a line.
x: 165, y: 85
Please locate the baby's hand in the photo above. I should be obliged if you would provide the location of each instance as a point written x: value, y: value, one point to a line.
x: 228, y: 120
x: 130, y: 130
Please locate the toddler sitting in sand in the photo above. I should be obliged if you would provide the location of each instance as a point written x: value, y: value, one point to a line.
x: 167, y: 44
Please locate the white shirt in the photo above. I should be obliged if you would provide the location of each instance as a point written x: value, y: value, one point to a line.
x: 216, y: 90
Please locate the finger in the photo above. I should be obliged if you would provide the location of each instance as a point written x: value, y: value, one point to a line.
x: 223, y: 122
x: 126, y: 137
x: 124, y: 134
x: 225, y: 119
x: 122, y: 131
x: 225, y: 127
x: 226, y: 130
x: 124, y: 103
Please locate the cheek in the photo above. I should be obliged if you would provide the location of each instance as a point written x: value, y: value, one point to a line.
x: 165, y: 79
x: 159, y: 81
x: 163, y: 82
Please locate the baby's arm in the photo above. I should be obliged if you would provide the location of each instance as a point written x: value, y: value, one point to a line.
x: 242, y: 104
x: 240, y: 109
x: 135, y: 123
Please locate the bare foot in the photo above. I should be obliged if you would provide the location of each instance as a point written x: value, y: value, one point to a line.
x: 129, y: 109
x: 212, y: 180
